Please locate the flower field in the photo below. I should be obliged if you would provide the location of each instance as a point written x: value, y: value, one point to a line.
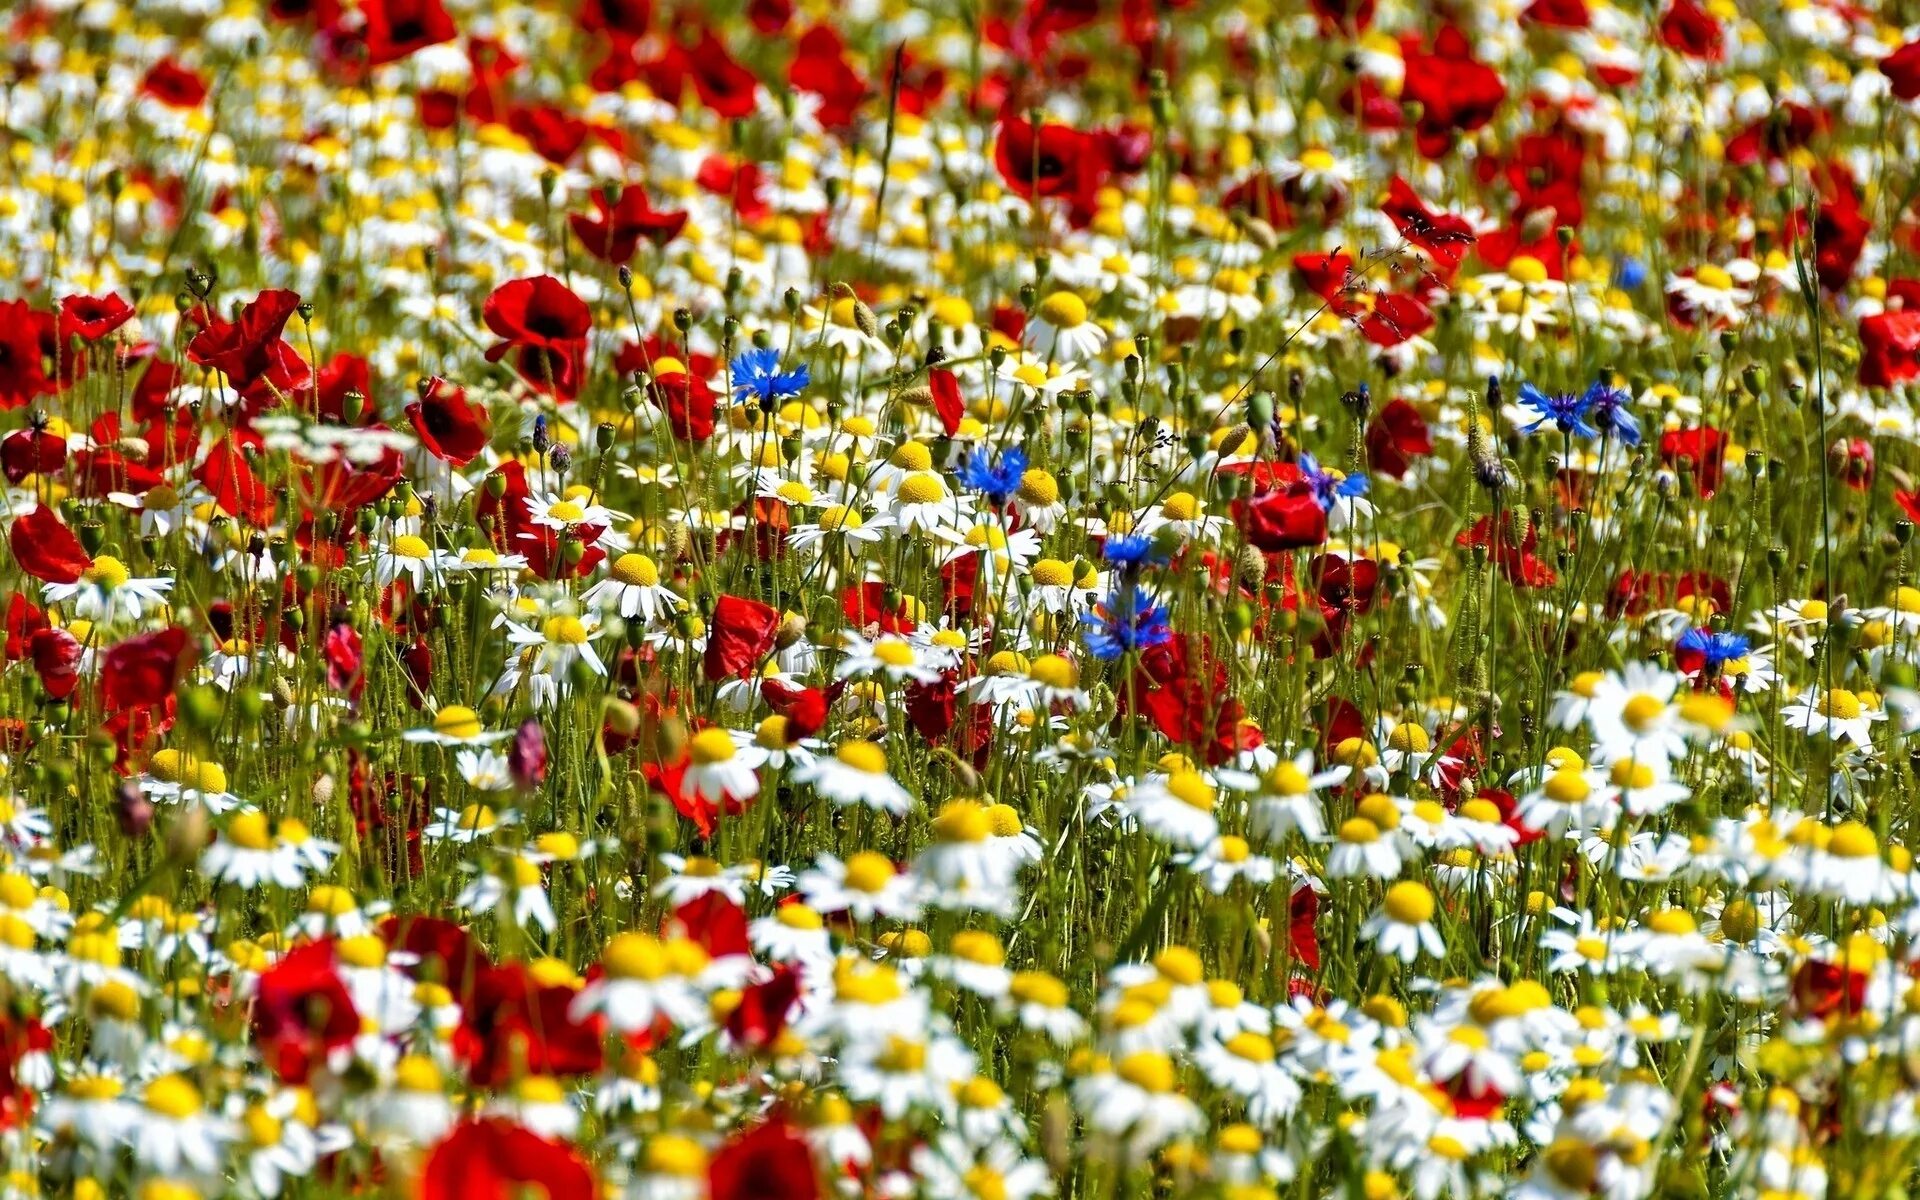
x: 980, y: 599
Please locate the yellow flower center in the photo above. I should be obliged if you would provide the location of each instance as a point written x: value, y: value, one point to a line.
x: 457, y: 721
x: 1063, y: 310
x: 409, y: 546
x: 1409, y: 903
x: 636, y: 570
x: 922, y: 487
x: 107, y: 572
x: 863, y: 756
x: 709, y: 746
x: 173, y: 1096
x: 565, y: 631
x: 869, y: 872
x: 1192, y: 789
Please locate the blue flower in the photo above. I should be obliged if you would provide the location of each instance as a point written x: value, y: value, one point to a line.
x: 1607, y: 409
x: 1329, y: 486
x: 1128, y: 620
x: 1629, y: 273
x: 1565, y: 411
x: 757, y: 376
x: 1131, y: 552
x: 998, y: 477
x: 1715, y: 649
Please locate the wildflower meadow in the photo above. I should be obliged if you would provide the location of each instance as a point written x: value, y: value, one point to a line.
x: 959, y: 599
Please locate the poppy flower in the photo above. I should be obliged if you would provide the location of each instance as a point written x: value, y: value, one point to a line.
x: 723, y: 85
x: 512, y: 1025
x: 23, y: 369
x: 1699, y: 454
x: 761, y: 1016
x: 142, y: 671
x: 1889, y: 348
x: 302, y: 1011
x: 820, y: 68
x: 614, y: 231
x: 243, y: 350
x: 91, y: 318
x: 453, y: 428
x: 56, y: 659
x: 687, y: 401
x: 1181, y: 686
x: 27, y: 452
x: 45, y: 548
x: 543, y: 326
x: 444, y: 952
x: 1518, y: 561
x: 491, y: 1158
x: 1821, y: 989
x: 804, y: 708
x: 740, y: 634
x: 174, y: 85
x: 629, y: 17
x: 394, y: 29
x: 1051, y: 161
x: 1303, y: 912
x: 1395, y: 317
x: 1902, y: 67
x: 1285, y: 518
x: 554, y: 133
x: 944, y: 386
x: 23, y: 619
x: 1444, y: 236
x: 1559, y: 14
x: 1396, y: 436
x: 236, y: 489
x: 1456, y: 92
x: 770, y: 1160
x: 1687, y: 27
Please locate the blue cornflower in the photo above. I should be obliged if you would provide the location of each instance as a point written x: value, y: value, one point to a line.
x: 1607, y: 409
x: 1329, y: 486
x: 1127, y: 620
x: 1131, y: 552
x: 998, y: 477
x: 757, y: 376
x: 1715, y: 649
x: 1565, y: 411
x: 1629, y: 273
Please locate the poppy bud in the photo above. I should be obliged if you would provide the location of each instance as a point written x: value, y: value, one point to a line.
x: 132, y: 810
x: 682, y: 320
x: 625, y: 276
x: 189, y: 834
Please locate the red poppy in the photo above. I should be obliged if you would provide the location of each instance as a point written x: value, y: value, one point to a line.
x: 1330, y: 277
x: 687, y: 401
x: 1559, y: 14
x: 445, y: 952
x: 302, y: 1012
x: 723, y: 85
x: 1696, y: 453
x: 1396, y: 436
x: 1444, y: 236
x: 1688, y: 28
x: 736, y: 180
x: 1840, y: 231
x: 1395, y: 317
x: 629, y: 17
x: 394, y: 29
x: 768, y: 1162
x: 23, y: 360
x: 511, y: 1025
x: 235, y: 488
x: 1456, y: 92
x: 143, y: 671
x: 820, y: 68
x: 932, y: 706
x: 554, y: 133
x: 1284, y: 518
x: 244, y: 349
x: 45, y: 548
x: 804, y: 708
x: 1052, y: 161
x: 615, y: 230
x: 174, y: 85
x: 761, y: 1016
x: 1889, y: 348
x: 91, y: 318
x: 1518, y: 562
x: 739, y: 635
x: 1181, y: 685
x: 1821, y: 990
x: 947, y: 405
x: 492, y: 1158
x: 23, y: 620
x: 1903, y: 68
x: 1544, y: 172
x: 453, y: 428
x: 27, y: 452
x: 1303, y: 910
x: 56, y: 659
x: 543, y: 325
